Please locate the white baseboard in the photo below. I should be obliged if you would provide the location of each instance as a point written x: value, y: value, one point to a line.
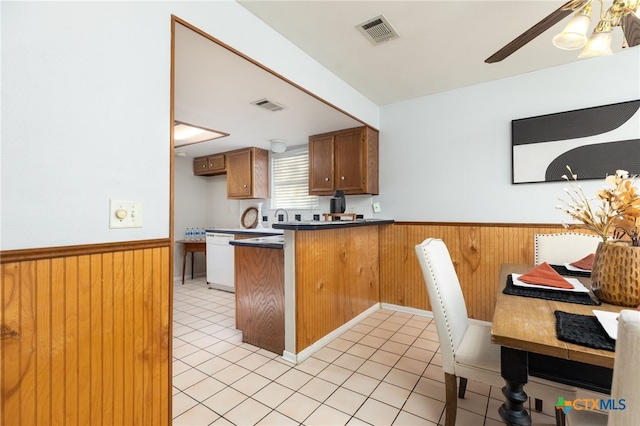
x: 307, y: 352
x: 424, y: 313
x: 407, y: 310
x: 289, y: 357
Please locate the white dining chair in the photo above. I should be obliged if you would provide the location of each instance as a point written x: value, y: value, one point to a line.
x: 626, y: 379
x: 467, y: 351
x: 566, y: 247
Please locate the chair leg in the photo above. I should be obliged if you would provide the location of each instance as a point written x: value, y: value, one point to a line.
x: 450, y: 384
x: 560, y: 417
x: 463, y: 387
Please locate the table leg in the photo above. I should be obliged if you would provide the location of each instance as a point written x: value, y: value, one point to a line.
x: 193, y: 254
x: 184, y: 264
x: 514, y: 365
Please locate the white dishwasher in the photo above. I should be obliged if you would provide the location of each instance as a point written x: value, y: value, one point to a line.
x: 220, y: 273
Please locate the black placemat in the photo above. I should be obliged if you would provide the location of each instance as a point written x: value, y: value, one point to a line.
x: 583, y: 330
x: 562, y: 270
x: 555, y: 295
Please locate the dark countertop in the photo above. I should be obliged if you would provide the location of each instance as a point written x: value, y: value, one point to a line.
x: 318, y: 225
x: 246, y: 231
x: 273, y: 241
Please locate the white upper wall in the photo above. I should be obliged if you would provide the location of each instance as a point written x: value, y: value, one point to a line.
x: 447, y: 157
x: 86, y: 114
x: 85, y: 119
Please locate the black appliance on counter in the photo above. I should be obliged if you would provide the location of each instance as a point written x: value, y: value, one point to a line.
x: 338, y: 204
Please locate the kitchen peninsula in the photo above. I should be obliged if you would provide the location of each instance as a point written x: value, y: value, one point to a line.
x: 312, y: 283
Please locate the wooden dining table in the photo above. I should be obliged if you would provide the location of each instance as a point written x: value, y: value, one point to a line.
x: 525, y: 327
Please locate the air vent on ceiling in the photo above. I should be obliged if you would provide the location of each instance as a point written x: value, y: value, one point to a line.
x: 268, y: 105
x: 377, y: 30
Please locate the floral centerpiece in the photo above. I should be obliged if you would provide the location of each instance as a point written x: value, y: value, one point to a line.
x: 614, y: 214
x: 617, y: 213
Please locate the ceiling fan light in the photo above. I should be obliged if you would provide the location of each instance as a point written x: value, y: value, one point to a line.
x: 574, y: 34
x: 600, y: 42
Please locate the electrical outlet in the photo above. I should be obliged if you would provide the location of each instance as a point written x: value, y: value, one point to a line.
x: 125, y: 214
x: 376, y: 207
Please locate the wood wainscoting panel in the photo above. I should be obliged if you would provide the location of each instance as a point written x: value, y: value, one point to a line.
x: 337, y: 278
x: 477, y: 251
x: 85, y: 338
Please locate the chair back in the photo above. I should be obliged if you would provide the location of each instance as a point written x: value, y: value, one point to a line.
x: 445, y: 297
x: 626, y: 370
x: 567, y: 247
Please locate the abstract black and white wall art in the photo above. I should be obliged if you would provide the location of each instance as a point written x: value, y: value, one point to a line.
x: 594, y: 142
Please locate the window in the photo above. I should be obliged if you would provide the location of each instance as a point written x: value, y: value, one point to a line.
x: 290, y: 180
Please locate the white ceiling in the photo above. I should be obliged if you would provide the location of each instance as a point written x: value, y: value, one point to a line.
x: 442, y: 46
x: 214, y: 88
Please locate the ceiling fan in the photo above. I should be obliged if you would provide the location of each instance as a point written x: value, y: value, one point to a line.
x: 623, y: 13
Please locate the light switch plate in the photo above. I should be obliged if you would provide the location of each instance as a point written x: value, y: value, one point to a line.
x: 376, y: 207
x: 125, y: 214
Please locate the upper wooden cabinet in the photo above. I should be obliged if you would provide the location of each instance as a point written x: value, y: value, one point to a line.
x: 346, y: 160
x: 210, y: 165
x: 248, y: 173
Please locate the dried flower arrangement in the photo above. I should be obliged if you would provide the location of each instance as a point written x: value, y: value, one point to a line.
x: 618, y: 207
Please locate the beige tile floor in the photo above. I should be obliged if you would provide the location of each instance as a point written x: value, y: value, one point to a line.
x: 386, y: 370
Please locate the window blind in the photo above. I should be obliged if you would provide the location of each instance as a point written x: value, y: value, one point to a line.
x: 290, y: 181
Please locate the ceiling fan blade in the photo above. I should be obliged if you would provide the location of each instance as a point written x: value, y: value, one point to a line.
x: 549, y: 21
x: 631, y: 28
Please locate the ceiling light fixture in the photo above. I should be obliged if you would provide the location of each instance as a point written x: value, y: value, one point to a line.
x: 600, y: 42
x: 187, y: 134
x: 574, y: 35
x: 278, y: 145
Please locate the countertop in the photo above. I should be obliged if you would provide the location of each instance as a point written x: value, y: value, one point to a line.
x: 319, y: 225
x: 273, y: 241
x: 247, y: 231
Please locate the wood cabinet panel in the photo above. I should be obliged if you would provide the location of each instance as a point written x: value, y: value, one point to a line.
x: 248, y: 173
x: 239, y: 176
x: 201, y: 166
x: 321, y: 164
x: 349, y: 155
x: 210, y: 165
x: 259, y: 274
x: 217, y: 163
x: 85, y: 338
x: 345, y: 160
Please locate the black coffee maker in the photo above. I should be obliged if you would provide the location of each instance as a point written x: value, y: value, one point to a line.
x: 337, y: 204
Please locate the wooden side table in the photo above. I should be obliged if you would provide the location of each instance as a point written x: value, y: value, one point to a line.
x: 192, y: 247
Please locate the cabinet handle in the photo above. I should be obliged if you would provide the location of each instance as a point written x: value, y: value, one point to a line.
x: 326, y: 179
x: 244, y: 186
x: 341, y: 177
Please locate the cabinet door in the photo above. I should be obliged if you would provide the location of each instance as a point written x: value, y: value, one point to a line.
x: 239, y: 174
x: 216, y: 163
x: 321, y: 165
x: 348, y: 147
x: 200, y: 166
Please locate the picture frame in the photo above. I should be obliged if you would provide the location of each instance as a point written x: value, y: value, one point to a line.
x: 593, y: 141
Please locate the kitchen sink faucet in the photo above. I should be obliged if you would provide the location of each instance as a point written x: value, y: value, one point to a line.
x: 286, y: 213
